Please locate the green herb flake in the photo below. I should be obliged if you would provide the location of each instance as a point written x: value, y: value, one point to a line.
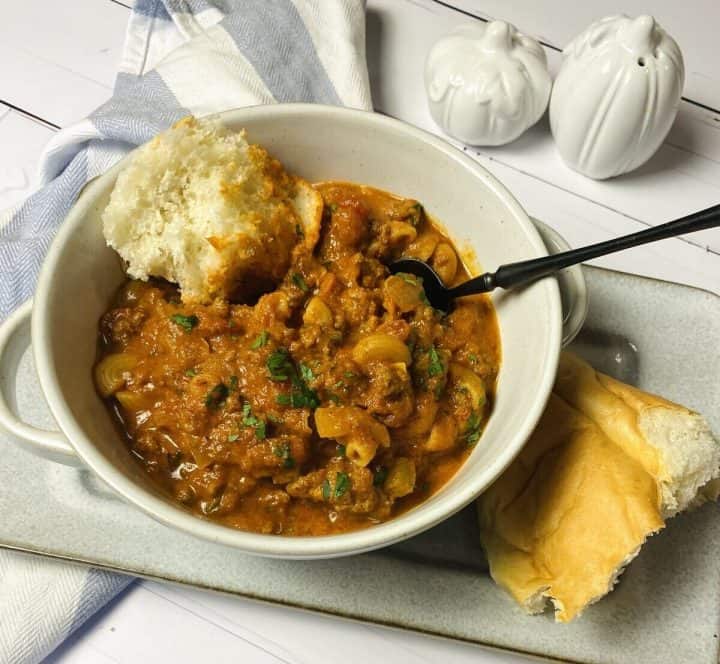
x: 473, y: 429
x: 190, y: 373
x: 407, y: 278
x: 380, y: 476
x: 250, y: 420
x: 281, y: 368
x: 326, y: 490
x: 473, y: 358
x: 300, y: 397
x: 342, y: 484
x: 233, y: 437
x: 334, y: 398
x: 341, y: 450
x: 217, y: 396
x: 306, y: 373
x: 280, y: 365
x: 435, y: 366
x: 283, y: 452
x: 187, y: 323
x: 423, y: 297
x: 298, y: 280
x: 233, y: 383
x: 350, y: 375
x: 260, y: 340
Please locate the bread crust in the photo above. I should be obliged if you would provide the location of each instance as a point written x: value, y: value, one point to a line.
x: 589, y: 487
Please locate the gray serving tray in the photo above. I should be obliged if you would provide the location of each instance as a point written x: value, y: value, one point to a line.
x: 660, y: 336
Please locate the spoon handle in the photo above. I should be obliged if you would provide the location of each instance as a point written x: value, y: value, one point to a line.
x: 514, y: 274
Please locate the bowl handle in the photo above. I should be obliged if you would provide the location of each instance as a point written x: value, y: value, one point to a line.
x: 14, y: 339
x: 573, y: 290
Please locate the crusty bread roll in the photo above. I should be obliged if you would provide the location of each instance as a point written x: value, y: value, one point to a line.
x: 603, y: 469
x: 201, y: 207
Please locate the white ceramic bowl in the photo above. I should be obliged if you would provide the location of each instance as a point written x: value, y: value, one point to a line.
x: 80, y: 274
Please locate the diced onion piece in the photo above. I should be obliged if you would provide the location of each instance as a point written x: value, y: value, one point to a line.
x: 111, y: 372
x: 380, y: 348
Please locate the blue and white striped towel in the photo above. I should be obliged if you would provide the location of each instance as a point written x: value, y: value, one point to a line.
x: 180, y: 57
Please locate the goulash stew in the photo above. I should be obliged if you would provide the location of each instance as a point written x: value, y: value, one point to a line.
x: 335, y: 402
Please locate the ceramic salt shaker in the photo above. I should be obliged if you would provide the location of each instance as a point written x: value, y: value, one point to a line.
x: 487, y: 83
x: 616, y: 96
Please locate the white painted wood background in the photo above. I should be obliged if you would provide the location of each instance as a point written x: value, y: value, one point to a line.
x: 58, y: 63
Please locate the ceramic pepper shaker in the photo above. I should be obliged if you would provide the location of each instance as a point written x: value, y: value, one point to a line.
x: 487, y: 83
x: 616, y: 95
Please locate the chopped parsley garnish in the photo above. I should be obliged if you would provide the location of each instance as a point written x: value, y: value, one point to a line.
x: 326, y: 489
x: 187, y: 323
x: 334, y: 398
x: 306, y: 372
x: 280, y: 365
x: 191, y: 372
x: 423, y: 297
x: 233, y: 437
x: 260, y: 340
x: 283, y: 452
x: 349, y: 375
x: 472, y: 432
x: 250, y: 420
x: 473, y: 358
x: 407, y: 278
x: 341, y: 450
x: 435, y: 366
x: 233, y: 383
x: 281, y: 368
x: 298, y: 280
x: 216, y: 397
x: 300, y: 397
x: 380, y: 475
x: 342, y: 484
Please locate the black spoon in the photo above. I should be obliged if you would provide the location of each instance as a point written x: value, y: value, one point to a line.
x: 524, y: 272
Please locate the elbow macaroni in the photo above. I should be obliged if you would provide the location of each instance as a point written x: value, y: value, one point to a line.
x: 380, y: 348
x: 111, y: 372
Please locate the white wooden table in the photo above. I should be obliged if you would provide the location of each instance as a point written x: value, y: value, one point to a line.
x: 58, y: 63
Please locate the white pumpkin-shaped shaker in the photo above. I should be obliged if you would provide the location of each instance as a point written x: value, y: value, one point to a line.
x: 616, y: 95
x: 487, y: 83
